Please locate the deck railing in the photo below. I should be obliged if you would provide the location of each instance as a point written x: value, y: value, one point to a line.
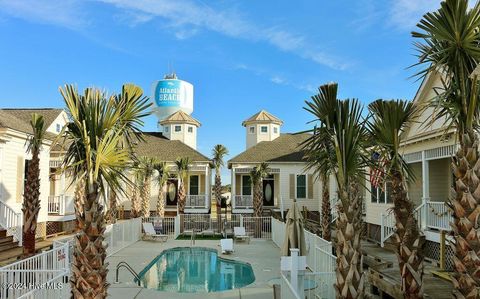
x: 430, y: 215
x: 243, y: 201
x: 61, y: 204
x: 11, y: 221
x: 287, y: 291
x: 319, y: 285
x: 196, y: 201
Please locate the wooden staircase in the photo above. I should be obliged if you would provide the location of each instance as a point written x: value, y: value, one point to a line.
x: 6, y: 242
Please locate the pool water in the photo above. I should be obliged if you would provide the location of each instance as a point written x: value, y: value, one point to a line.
x: 196, y: 269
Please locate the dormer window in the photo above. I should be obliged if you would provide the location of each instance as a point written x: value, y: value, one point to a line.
x: 264, y: 129
x: 58, y: 128
x: 251, y: 130
x: 178, y: 128
x: 275, y: 130
x: 190, y: 129
x: 165, y: 129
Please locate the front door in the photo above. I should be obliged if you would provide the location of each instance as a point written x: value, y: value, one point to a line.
x: 268, y: 191
x: 172, y: 192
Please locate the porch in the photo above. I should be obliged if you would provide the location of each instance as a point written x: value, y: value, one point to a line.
x: 61, y: 200
x: 242, y: 190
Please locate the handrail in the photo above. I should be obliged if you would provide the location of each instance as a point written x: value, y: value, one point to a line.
x: 130, y: 269
x: 11, y: 221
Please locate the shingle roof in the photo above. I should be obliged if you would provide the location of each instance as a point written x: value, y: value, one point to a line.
x: 19, y: 119
x: 285, y: 148
x: 157, y: 145
x: 180, y: 117
x: 263, y: 117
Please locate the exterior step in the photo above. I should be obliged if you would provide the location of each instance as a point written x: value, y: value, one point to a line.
x: 6, y: 239
x: 7, y: 246
x: 3, y: 233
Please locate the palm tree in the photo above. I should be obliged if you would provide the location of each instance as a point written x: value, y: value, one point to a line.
x: 326, y: 209
x: 147, y: 166
x: 344, y: 131
x: 31, y: 194
x: 182, y: 173
x: 162, y: 181
x: 136, y: 187
x: 256, y: 176
x: 98, y: 137
x: 449, y: 45
x: 112, y: 207
x: 390, y: 120
x: 219, y: 152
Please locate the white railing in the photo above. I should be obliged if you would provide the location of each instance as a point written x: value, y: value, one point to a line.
x: 258, y: 227
x: 324, y: 260
x: 122, y: 234
x: 243, y: 201
x: 319, y: 285
x: 313, y: 241
x: 334, y: 209
x: 164, y: 226
x: 11, y: 221
x: 387, y: 227
x: 61, y: 205
x: 287, y: 291
x: 43, y: 274
x: 439, y: 215
x: 196, y: 201
x: 278, y: 232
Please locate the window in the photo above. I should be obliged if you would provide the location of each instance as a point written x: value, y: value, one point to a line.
x: 246, y: 185
x: 58, y: 128
x: 165, y: 129
x: 251, y: 130
x: 275, y: 130
x: 178, y: 128
x: 190, y: 129
x: 193, y: 185
x: 263, y: 129
x: 382, y: 195
x: 25, y: 173
x: 301, y: 186
x: 374, y: 191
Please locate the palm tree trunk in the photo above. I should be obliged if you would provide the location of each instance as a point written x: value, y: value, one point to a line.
x: 258, y: 207
x: 182, y: 197
x: 89, y: 271
x: 408, y: 240
x: 218, y: 198
x: 146, y: 198
x: 79, y: 200
x: 112, y: 211
x: 31, y: 204
x: 326, y: 212
x: 350, y: 277
x: 465, y: 203
x: 161, y: 201
x: 135, y: 209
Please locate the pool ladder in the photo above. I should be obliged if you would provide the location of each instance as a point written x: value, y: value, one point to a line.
x: 126, y: 266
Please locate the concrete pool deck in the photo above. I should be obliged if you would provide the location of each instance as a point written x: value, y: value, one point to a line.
x: 263, y: 255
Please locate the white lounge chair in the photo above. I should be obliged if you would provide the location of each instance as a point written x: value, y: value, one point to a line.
x: 240, y: 234
x: 150, y: 233
x: 227, y: 245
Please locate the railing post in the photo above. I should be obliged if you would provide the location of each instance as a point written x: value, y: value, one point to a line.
x: 442, y: 250
x: 424, y: 211
x: 241, y: 220
x: 382, y: 229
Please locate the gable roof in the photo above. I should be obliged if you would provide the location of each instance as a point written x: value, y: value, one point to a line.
x: 285, y: 148
x: 262, y: 117
x: 157, y: 145
x: 19, y: 119
x: 180, y: 117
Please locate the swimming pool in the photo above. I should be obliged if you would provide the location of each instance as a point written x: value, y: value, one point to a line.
x: 195, y: 269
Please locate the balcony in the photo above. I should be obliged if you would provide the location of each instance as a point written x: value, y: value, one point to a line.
x: 243, y: 201
x: 60, y: 205
x: 196, y: 201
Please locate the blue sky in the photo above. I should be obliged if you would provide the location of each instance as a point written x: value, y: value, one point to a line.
x: 241, y: 56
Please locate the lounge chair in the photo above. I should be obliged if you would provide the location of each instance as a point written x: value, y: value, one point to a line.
x: 240, y: 234
x: 150, y: 233
x: 227, y: 245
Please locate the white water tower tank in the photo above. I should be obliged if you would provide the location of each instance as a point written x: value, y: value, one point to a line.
x: 171, y: 95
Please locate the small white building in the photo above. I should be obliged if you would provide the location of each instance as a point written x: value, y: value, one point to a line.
x: 288, y: 178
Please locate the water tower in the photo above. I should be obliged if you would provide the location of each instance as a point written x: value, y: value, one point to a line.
x: 173, y: 106
x: 171, y: 95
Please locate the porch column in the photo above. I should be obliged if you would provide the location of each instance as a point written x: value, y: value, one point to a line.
x: 208, y: 191
x: 232, y: 188
x: 425, y: 189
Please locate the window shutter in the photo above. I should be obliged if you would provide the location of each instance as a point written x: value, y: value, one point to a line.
x: 20, y: 177
x: 292, y: 186
x: 310, y: 186
x: 201, y: 181
x: 238, y: 184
